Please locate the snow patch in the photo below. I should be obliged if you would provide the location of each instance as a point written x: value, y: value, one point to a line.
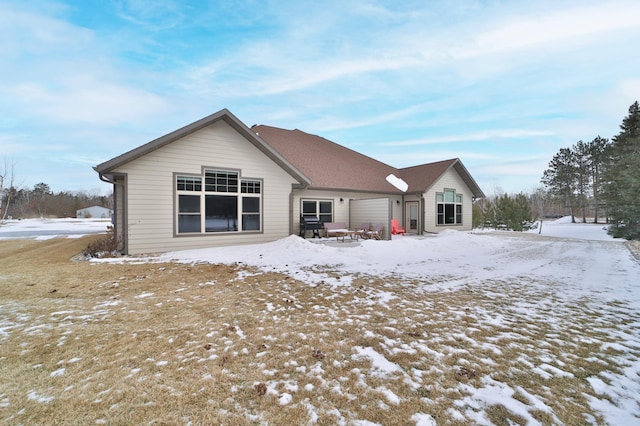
x: 397, y: 182
x: 381, y: 366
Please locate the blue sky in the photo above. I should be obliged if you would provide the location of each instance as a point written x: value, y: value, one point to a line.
x: 502, y: 85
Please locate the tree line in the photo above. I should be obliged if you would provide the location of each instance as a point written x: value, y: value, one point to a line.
x: 517, y: 212
x: 594, y: 178
x: 602, y: 174
x: 40, y: 201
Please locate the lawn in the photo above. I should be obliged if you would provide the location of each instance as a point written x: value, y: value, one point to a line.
x: 459, y: 328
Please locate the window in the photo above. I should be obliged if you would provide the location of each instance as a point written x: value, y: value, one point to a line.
x: 250, y: 186
x: 322, y: 209
x: 220, y: 181
x: 188, y: 213
x: 250, y: 214
x: 225, y: 203
x: 189, y: 183
x: 449, y: 207
x: 221, y: 213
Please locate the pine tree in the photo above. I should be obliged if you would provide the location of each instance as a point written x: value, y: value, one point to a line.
x: 582, y: 162
x: 478, y: 219
x: 597, y: 149
x: 622, y: 177
x: 512, y: 213
x: 560, y: 178
x: 521, y: 216
x: 488, y: 213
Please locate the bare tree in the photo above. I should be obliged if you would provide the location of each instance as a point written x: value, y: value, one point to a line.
x: 7, y: 177
x: 541, y: 201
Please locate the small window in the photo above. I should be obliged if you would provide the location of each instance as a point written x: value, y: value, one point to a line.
x: 250, y: 187
x: 449, y: 196
x: 322, y: 209
x: 189, y: 213
x: 250, y: 214
x: 220, y: 181
x: 189, y: 183
x: 326, y: 211
x: 309, y: 208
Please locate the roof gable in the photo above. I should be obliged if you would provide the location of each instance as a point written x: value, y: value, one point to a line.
x: 225, y: 115
x: 422, y: 177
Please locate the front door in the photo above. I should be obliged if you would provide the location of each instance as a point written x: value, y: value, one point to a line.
x: 411, y: 218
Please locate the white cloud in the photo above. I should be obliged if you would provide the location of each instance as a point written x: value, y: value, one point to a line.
x: 62, y: 73
x: 88, y: 101
x: 408, y: 159
x: 554, y: 29
x: 156, y: 16
x: 314, y: 47
x: 472, y: 137
x: 339, y: 121
x: 531, y: 166
x: 11, y: 144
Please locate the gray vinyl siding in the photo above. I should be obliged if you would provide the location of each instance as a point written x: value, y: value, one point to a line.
x: 151, y: 195
x: 450, y: 180
x: 372, y: 211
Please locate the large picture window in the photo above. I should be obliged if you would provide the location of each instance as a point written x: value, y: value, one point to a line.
x: 225, y: 203
x: 322, y: 209
x: 449, y: 207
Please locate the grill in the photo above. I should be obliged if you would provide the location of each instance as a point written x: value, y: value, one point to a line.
x: 310, y: 223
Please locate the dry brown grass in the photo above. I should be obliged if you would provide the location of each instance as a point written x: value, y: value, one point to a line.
x: 218, y: 344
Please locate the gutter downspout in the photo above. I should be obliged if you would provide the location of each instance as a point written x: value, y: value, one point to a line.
x: 422, y: 212
x: 295, y: 188
x: 105, y: 179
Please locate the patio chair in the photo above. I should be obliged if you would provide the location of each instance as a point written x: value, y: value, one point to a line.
x: 396, y: 228
x: 363, y: 231
x: 376, y: 231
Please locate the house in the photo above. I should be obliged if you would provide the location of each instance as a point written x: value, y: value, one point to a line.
x: 96, y: 212
x: 217, y: 182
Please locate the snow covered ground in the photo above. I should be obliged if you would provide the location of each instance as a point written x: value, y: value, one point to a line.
x: 577, y: 263
x: 43, y: 229
x: 583, y: 255
x: 568, y: 272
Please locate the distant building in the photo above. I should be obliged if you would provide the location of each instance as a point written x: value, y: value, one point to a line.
x: 94, y: 212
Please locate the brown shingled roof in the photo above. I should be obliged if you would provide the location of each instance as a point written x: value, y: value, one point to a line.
x: 313, y: 161
x: 332, y: 166
x: 327, y: 164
